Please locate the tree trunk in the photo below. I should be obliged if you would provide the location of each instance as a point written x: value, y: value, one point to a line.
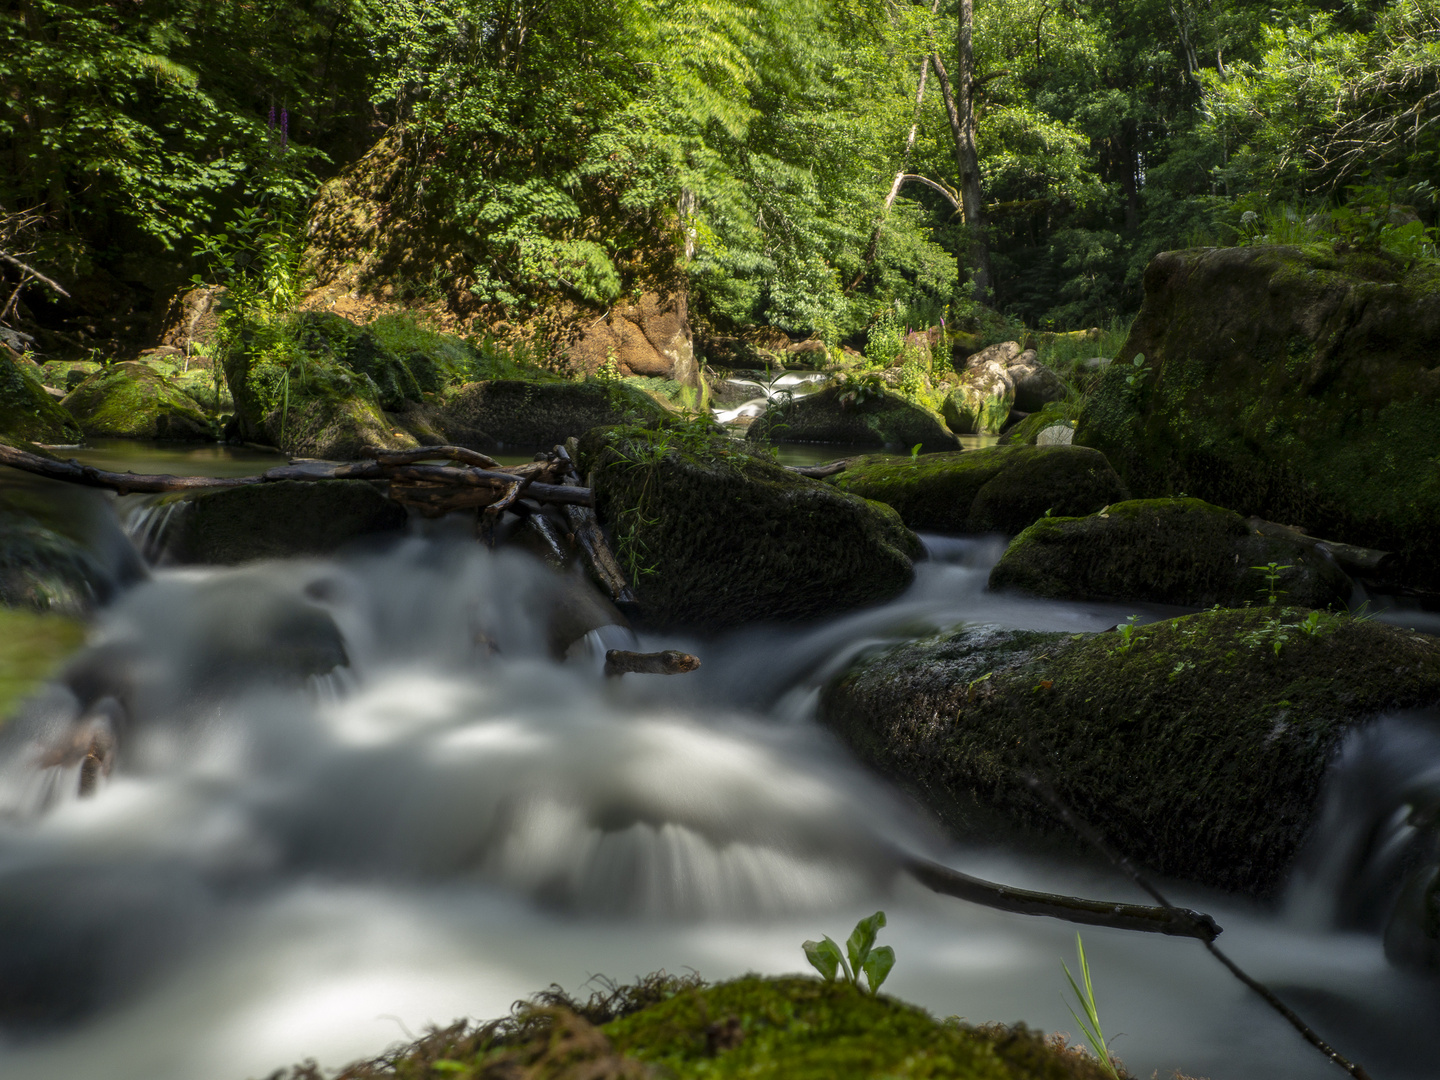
x: 965, y: 155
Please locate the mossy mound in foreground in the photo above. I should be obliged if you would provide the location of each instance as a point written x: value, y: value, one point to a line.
x: 1165, y: 551
x: 787, y: 1028
x: 1196, y: 747
x: 31, y: 648
x: 994, y: 489
x: 27, y: 413
x: 714, y: 535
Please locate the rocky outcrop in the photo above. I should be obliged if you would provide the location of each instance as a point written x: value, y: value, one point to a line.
x: 1166, y: 551
x: 982, y: 401
x: 135, y: 401
x: 1194, y: 745
x: 518, y: 412
x: 714, y: 536
x: 993, y: 489
x: 1298, y: 385
x: 27, y: 412
x: 860, y: 415
x: 650, y: 337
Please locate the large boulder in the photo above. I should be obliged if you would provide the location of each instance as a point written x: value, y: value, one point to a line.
x: 713, y: 535
x: 27, y: 412
x: 1194, y: 745
x: 1295, y: 384
x: 135, y: 401
x: 520, y: 412
x: 1036, y: 385
x: 1166, y: 551
x: 993, y: 489
x: 859, y: 415
x: 649, y: 337
x: 981, y: 401
x: 271, y: 521
x: 61, y: 549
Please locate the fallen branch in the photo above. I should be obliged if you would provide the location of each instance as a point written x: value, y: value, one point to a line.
x: 1357, y: 561
x: 430, y: 453
x: 669, y: 662
x: 1178, y: 922
x: 819, y: 472
x: 36, y: 274
x: 585, y: 527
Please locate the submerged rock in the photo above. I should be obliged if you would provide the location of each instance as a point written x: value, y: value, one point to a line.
x: 1195, y: 745
x: 860, y: 414
x: 134, y: 401
x: 716, y: 536
x: 1166, y: 551
x: 1295, y: 384
x: 32, y: 646
x: 993, y: 489
x: 27, y: 412
x: 521, y: 412
x: 273, y: 521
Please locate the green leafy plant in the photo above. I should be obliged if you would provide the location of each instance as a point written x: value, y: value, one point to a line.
x: 915, y: 451
x: 1139, y: 370
x: 1090, y: 1022
x: 1127, y: 634
x: 1310, y: 626
x: 864, y: 955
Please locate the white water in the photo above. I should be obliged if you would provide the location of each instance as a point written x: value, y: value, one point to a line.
x: 286, y: 866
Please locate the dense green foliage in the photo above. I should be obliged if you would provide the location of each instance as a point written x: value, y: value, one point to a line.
x: 585, y: 150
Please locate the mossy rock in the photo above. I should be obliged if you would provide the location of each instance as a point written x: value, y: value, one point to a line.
x: 276, y: 521
x: 32, y: 646
x: 794, y: 1028
x: 133, y: 400
x: 1198, y: 749
x: 839, y: 414
x: 403, y: 360
x: 1165, y: 551
x: 981, y: 402
x: 993, y: 489
x: 520, y: 412
x: 713, y: 535
x: 67, y: 374
x: 27, y: 412
x: 1028, y: 430
x: 1294, y: 384
x: 61, y: 549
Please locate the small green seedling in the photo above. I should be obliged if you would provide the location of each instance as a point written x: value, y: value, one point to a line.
x: 826, y: 958
x: 1139, y: 370
x: 915, y: 451
x: 1272, y: 572
x: 1127, y: 634
x: 1090, y: 1022
x: 1310, y: 626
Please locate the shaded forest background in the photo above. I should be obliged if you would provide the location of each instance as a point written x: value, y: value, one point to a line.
x: 529, y: 152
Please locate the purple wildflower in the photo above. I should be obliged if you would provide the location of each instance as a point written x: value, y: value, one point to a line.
x: 284, y: 127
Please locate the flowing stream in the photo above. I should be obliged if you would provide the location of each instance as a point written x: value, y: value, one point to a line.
x: 359, y: 795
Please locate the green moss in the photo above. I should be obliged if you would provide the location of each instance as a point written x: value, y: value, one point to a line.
x: 1198, y: 750
x: 1167, y: 551
x: 799, y: 1028
x: 715, y: 535
x: 134, y: 401
x: 27, y: 412
x: 1028, y: 430
x: 1290, y: 383
x: 31, y: 648
x: 841, y: 415
x: 517, y: 412
x: 993, y: 489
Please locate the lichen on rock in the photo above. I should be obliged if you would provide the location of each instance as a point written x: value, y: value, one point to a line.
x: 1166, y: 551
x: 1196, y: 747
x: 994, y: 489
x: 715, y: 535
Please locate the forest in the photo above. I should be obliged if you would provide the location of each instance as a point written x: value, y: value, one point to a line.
x: 595, y: 494
x: 566, y: 150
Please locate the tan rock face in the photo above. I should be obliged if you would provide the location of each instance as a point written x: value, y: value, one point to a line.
x: 650, y: 337
x: 191, y: 316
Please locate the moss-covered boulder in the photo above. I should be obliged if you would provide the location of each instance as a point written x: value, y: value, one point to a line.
x: 1028, y: 431
x: 27, y: 412
x: 273, y: 521
x: 1195, y: 745
x: 714, y: 535
x: 856, y: 415
x: 787, y: 1028
x: 67, y: 374
x: 980, y: 403
x: 61, y: 549
x: 134, y: 400
x: 1166, y: 551
x: 993, y: 489
x: 1296, y: 384
x: 522, y: 412
x: 402, y: 360
x: 32, y: 647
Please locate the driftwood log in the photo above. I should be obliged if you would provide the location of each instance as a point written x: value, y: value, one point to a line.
x: 669, y: 662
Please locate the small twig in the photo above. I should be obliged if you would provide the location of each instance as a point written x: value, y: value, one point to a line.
x: 27, y: 268
x: 1093, y: 837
